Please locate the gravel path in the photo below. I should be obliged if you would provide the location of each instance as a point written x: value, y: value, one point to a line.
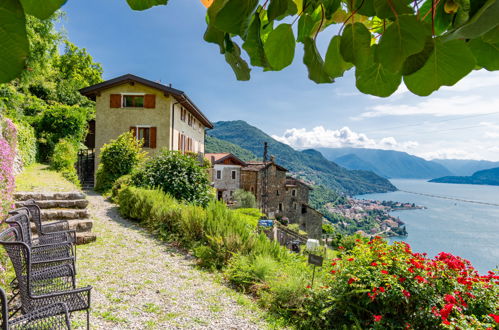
x: 142, y: 283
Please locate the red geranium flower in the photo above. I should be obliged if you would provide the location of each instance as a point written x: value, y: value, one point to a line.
x: 382, y: 289
x: 406, y: 293
x: 350, y: 259
x: 374, y: 263
x: 384, y: 272
x: 444, y: 312
x: 495, y: 317
x: 351, y: 280
x: 450, y: 299
x: 446, y: 322
x: 377, y: 318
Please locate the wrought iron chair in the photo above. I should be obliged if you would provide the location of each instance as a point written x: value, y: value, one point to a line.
x: 53, y: 316
x: 38, y: 289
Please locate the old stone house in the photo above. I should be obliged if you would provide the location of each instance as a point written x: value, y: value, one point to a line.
x: 279, y: 195
x: 164, y: 117
x: 225, y: 174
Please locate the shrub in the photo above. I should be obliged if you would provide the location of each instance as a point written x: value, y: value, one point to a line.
x: 26, y: 143
x: 179, y: 175
x: 118, y: 158
x: 59, y: 122
x: 120, y: 183
x: 8, y: 139
x: 64, y: 159
x: 244, y: 199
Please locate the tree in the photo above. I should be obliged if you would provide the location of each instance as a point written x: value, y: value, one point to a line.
x: 425, y: 43
x: 244, y: 199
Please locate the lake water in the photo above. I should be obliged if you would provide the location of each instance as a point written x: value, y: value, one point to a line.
x: 464, y: 229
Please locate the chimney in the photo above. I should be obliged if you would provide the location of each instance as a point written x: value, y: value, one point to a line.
x: 272, y: 159
x: 212, y: 160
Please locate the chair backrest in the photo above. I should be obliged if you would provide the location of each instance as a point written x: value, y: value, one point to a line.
x: 35, y: 213
x: 21, y: 223
x: 4, y: 321
x: 19, y: 254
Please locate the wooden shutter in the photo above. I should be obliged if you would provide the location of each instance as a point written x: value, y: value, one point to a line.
x: 133, y: 129
x: 150, y: 101
x: 115, y: 101
x: 179, y: 142
x: 152, y: 140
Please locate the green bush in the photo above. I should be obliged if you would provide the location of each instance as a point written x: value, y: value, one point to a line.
x: 26, y: 143
x: 64, y: 159
x: 118, y: 158
x: 179, y: 175
x: 59, y: 122
x: 119, y: 184
x: 244, y: 199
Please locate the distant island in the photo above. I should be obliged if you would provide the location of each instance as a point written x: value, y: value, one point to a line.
x: 484, y: 177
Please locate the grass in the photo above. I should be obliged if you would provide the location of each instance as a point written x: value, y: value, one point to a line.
x: 39, y: 178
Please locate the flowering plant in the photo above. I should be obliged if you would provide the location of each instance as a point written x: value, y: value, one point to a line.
x: 8, y: 140
x: 378, y: 285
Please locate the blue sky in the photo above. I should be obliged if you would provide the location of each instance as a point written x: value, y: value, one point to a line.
x: 166, y: 44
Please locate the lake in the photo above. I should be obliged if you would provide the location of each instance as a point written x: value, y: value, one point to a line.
x: 465, y: 229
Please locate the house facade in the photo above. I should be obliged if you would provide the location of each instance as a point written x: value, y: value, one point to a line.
x: 225, y: 174
x: 164, y: 117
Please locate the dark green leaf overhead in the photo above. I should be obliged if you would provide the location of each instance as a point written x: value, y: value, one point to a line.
x: 145, y: 4
x: 355, y: 45
x: 232, y: 16
x: 334, y: 64
x: 281, y: 8
x: 486, y: 50
x: 485, y: 19
x: 32, y: 7
x: 315, y: 65
x: 253, y: 44
x: 233, y: 57
x: 13, y: 40
x: 448, y: 63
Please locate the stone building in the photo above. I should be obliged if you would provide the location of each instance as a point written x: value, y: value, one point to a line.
x: 225, y: 174
x: 164, y: 117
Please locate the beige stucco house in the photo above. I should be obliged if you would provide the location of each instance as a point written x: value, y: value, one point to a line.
x: 163, y: 116
x: 225, y: 174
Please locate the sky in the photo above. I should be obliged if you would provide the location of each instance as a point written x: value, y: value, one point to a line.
x: 165, y: 43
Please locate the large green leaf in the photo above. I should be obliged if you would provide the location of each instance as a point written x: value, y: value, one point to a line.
x: 308, y: 24
x: 330, y: 6
x: 485, y: 19
x: 486, y: 50
x: 448, y: 63
x: 355, y: 45
x: 214, y: 35
x: 233, y: 57
x: 232, y: 16
x: 33, y: 7
x: 253, y: 44
x: 404, y: 37
x: 144, y: 4
x: 375, y: 79
x: 280, y: 47
x: 315, y: 65
x: 363, y: 7
x: 392, y: 8
x: 14, y: 46
x: 334, y: 64
x: 415, y: 62
x: 278, y: 9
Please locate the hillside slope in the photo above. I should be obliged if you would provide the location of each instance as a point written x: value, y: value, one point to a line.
x: 466, y: 167
x: 485, y: 177
x: 309, y: 164
x: 386, y: 163
x: 214, y: 145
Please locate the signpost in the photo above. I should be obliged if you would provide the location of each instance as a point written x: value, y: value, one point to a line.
x: 266, y: 223
x: 315, y: 260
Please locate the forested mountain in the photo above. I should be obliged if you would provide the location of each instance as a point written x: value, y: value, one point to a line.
x: 386, y: 163
x: 486, y: 177
x: 309, y: 164
x: 465, y: 167
x: 214, y: 145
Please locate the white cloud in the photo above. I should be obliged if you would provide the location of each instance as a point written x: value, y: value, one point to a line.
x: 450, y: 153
x: 439, y: 107
x: 319, y: 136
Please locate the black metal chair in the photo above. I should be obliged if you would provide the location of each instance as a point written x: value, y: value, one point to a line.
x: 53, y: 316
x: 38, y: 289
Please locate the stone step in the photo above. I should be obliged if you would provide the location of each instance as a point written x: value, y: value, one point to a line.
x: 78, y: 225
x: 24, y: 196
x: 53, y: 204
x: 85, y: 238
x: 64, y: 214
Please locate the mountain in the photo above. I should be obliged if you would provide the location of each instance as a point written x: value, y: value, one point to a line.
x: 214, y: 145
x: 487, y: 177
x: 465, y: 167
x: 386, y: 163
x: 308, y: 164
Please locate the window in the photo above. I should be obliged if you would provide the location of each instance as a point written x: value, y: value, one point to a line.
x: 231, y: 193
x: 303, y: 209
x: 280, y: 207
x: 183, y: 114
x: 219, y: 174
x: 133, y: 101
x: 294, y: 206
x: 277, y: 192
x: 190, y: 120
x: 233, y: 175
x: 293, y: 192
x: 144, y: 133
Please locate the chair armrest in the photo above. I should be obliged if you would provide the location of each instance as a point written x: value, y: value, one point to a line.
x: 85, y: 291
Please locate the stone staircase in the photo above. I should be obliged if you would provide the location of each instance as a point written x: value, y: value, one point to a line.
x: 69, y: 206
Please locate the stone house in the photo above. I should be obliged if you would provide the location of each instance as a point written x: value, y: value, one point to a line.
x: 225, y: 174
x: 164, y: 117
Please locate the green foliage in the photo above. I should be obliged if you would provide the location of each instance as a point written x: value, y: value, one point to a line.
x: 244, y: 199
x: 117, y: 158
x: 59, y: 122
x: 214, y: 145
x: 64, y: 159
x: 26, y: 143
x: 120, y: 183
x: 179, y: 175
